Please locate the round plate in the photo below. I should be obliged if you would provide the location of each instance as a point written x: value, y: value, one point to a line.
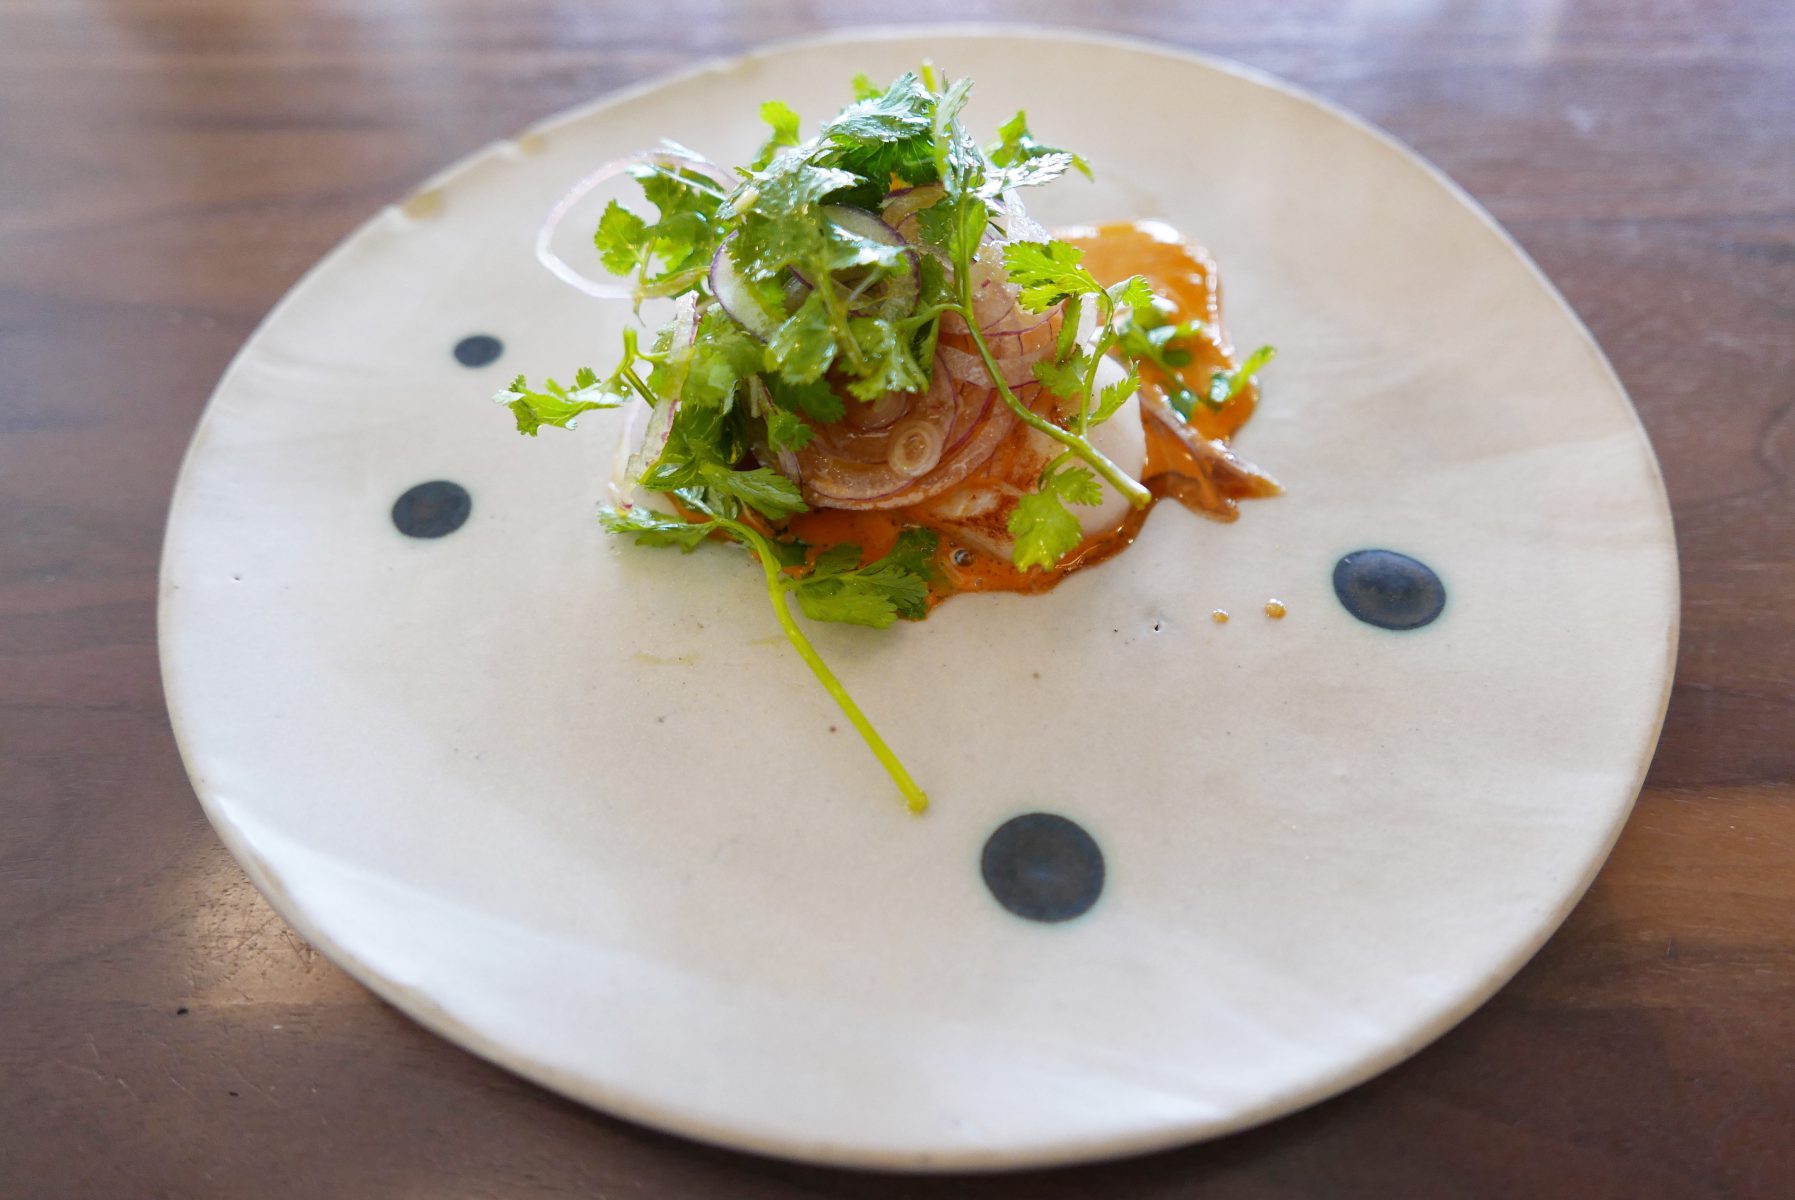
x: 575, y: 805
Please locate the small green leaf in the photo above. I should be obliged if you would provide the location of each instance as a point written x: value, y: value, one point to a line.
x: 1114, y: 396
x: 1016, y: 145
x: 1078, y: 485
x: 1225, y: 385
x: 553, y: 404
x: 900, y: 111
x: 803, y: 346
x: 787, y: 431
x: 1133, y: 295
x: 1064, y: 379
x: 764, y: 490
x: 814, y: 398
x: 1047, y: 272
x: 622, y: 239
x: 784, y: 125
x: 897, y: 585
x: 650, y: 528
x: 1044, y: 530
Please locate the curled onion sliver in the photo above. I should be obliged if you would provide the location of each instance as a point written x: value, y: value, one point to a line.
x: 570, y: 275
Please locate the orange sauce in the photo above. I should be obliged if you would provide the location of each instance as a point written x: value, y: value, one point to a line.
x: 1189, y: 463
x: 1187, y: 276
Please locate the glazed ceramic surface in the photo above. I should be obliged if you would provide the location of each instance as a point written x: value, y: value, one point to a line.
x: 575, y: 804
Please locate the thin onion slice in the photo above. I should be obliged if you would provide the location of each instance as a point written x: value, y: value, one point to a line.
x: 737, y: 297
x: 610, y: 289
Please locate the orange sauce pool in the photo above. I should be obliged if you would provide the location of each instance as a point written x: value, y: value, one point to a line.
x: 1187, y: 463
x: 1187, y: 276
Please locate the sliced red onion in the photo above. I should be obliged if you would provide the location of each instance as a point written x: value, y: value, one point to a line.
x: 654, y: 440
x: 905, y: 202
x: 894, y: 293
x: 737, y: 298
x: 613, y: 289
x: 979, y: 423
x: 876, y: 414
x: 1016, y: 351
x: 916, y: 447
x: 846, y: 443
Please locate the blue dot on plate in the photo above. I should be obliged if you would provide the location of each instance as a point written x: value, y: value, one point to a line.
x: 1389, y: 590
x: 478, y: 349
x: 431, y: 510
x: 1043, y: 867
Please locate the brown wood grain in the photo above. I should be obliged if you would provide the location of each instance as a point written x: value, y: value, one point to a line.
x: 169, y: 167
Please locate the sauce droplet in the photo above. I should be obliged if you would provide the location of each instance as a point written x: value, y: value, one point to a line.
x: 1219, y: 616
x: 1275, y: 609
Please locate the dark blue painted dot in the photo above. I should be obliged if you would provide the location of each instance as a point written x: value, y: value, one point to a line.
x: 1389, y: 590
x: 432, y: 509
x: 1043, y: 867
x: 476, y: 350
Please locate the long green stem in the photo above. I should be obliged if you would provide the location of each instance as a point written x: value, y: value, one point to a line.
x: 1117, y: 478
x: 1105, y: 339
x: 914, y: 797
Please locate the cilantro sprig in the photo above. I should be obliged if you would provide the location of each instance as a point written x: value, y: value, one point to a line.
x: 670, y: 254
x: 834, y: 588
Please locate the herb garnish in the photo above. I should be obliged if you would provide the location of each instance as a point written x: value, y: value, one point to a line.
x: 795, y: 302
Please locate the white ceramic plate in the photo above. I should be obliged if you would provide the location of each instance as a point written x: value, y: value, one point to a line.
x: 576, y: 806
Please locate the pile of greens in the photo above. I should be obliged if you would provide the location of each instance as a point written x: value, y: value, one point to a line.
x: 820, y: 316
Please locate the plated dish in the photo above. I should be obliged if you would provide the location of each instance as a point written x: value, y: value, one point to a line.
x: 878, y: 376
x: 576, y: 805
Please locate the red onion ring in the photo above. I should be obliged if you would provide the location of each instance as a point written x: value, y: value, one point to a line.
x: 560, y: 267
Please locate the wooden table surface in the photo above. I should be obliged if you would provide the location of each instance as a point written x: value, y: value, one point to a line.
x: 169, y: 167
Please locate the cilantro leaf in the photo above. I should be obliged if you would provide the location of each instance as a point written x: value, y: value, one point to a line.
x: 1134, y: 294
x: 884, y: 134
x: 864, y: 88
x: 900, y: 111
x: 1016, y: 145
x: 1225, y: 385
x: 1064, y: 379
x: 1032, y: 173
x: 622, y: 239
x: 1048, y: 272
x: 784, y: 125
x: 959, y: 163
x: 1078, y: 485
x: 721, y: 355
x: 1044, y: 530
x: 787, y: 431
x: 1114, y: 396
x: 1144, y: 335
x: 897, y: 585
x: 803, y: 346
x: 1071, y: 316
x: 764, y: 490
x: 781, y: 222
x: 651, y: 528
x: 554, y: 404
x: 814, y: 398
x: 668, y: 254
x: 892, y: 364
x: 955, y: 227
